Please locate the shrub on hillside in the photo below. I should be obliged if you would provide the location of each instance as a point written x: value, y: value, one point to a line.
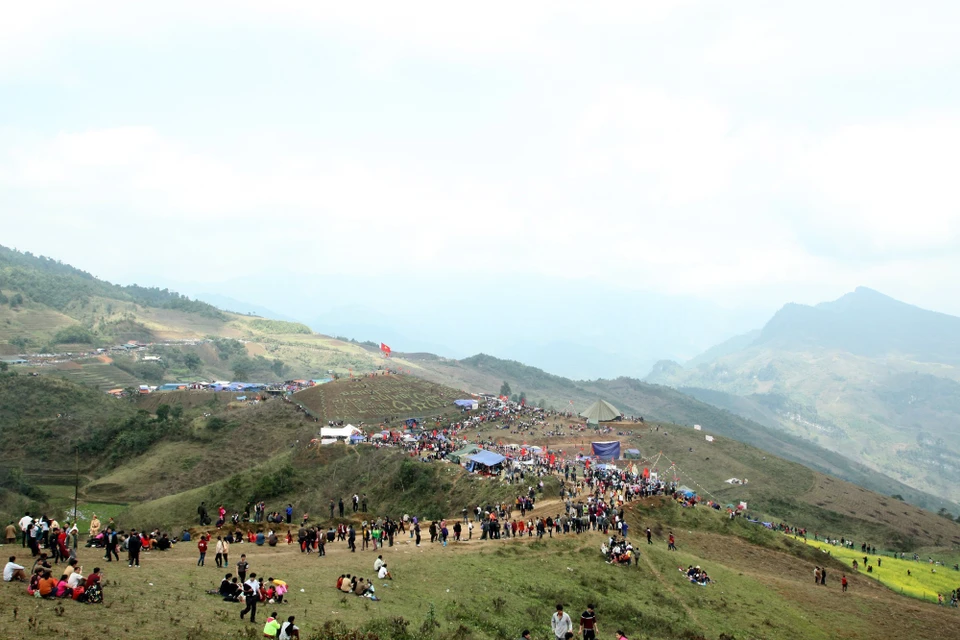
x: 74, y: 335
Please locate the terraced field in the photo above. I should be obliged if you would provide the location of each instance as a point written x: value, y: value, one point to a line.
x: 99, y: 375
x: 379, y: 397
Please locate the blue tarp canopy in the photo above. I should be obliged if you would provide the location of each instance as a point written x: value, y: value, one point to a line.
x: 607, y: 450
x: 487, y: 458
x: 464, y: 403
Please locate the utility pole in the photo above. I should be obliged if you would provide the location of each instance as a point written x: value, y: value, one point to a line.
x: 76, y: 499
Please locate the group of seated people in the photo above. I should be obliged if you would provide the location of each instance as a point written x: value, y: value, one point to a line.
x: 231, y: 590
x: 42, y: 583
x: 619, y: 551
x: 696, y: 575
x: 357, y: 586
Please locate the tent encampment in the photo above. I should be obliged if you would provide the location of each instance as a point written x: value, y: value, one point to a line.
x: 467, y: 404
x: 600, y: 411
x: 607, y: 450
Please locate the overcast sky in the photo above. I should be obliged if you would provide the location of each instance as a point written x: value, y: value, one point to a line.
x: 749, y: 153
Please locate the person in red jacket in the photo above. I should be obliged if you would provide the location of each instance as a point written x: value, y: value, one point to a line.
x: 843, y: 582
x: 202, y: 547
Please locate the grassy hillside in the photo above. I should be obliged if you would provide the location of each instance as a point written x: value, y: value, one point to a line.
x: 493, y: 589
x: 378, y: 398
x: 310, y: 477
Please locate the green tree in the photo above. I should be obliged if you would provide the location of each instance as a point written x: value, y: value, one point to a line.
x: 505, y: 389
x: 278, y: 368
x: 4, y: 366
x: 242, y: 368
x: 523, y: 396
x: 177, y: 412
x: 193, y: 362
x: 163, y: 412
x: 16, y: 300
x: 20, y: 342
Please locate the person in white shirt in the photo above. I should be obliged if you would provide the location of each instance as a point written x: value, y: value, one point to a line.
x: 378, y: 563
x: 561, y: 623
x: 383, y: 573
x: 13, y: 571
x: 75, y: 579
x: 24, y: 523
x: 289, y: 631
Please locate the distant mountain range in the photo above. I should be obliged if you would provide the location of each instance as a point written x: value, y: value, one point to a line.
x: 49, y: 306
x: 867, y: 376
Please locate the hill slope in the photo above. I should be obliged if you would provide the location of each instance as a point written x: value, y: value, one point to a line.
x: 661, y: 403
x: 865, y: 376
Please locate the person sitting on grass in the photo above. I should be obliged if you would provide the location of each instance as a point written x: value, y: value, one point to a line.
x: 383, y: 573
x: 272, y: 628
x: 224, y: 586
x: 76, y: 579
x: 13, y: 571
x: 47, y: 587
x: 63, y: 588
x: 289, y: 631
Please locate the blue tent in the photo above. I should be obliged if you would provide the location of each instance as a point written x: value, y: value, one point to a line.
x: 487, y: 458
x: 607, y: 450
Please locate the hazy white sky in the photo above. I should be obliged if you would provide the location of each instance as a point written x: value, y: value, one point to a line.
x: 749, y: 152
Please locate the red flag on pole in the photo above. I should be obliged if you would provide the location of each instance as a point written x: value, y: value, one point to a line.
x: 386, y: 350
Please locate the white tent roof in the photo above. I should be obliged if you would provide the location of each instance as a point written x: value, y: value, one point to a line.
x: 338, y: 432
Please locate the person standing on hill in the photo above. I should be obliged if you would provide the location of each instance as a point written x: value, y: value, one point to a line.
x: 561, y: 624
x: 363, y: 503
x: 134, y: 544
x: 202, y: 548
x: 340, y: 505
x: 356, y: 503
x: 289, y: 513
x: 671, y: 543
x: 588, y: 624
x: 218, y: 550
x: 251, y: 593
x: 843, y: 583
x: 649, y: 536
x: 823, y: 576
x: 242, y: 567
x: 202, y: 513
x: 110, y: 538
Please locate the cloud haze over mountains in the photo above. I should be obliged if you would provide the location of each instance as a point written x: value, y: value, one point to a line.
x: 679, y: 157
